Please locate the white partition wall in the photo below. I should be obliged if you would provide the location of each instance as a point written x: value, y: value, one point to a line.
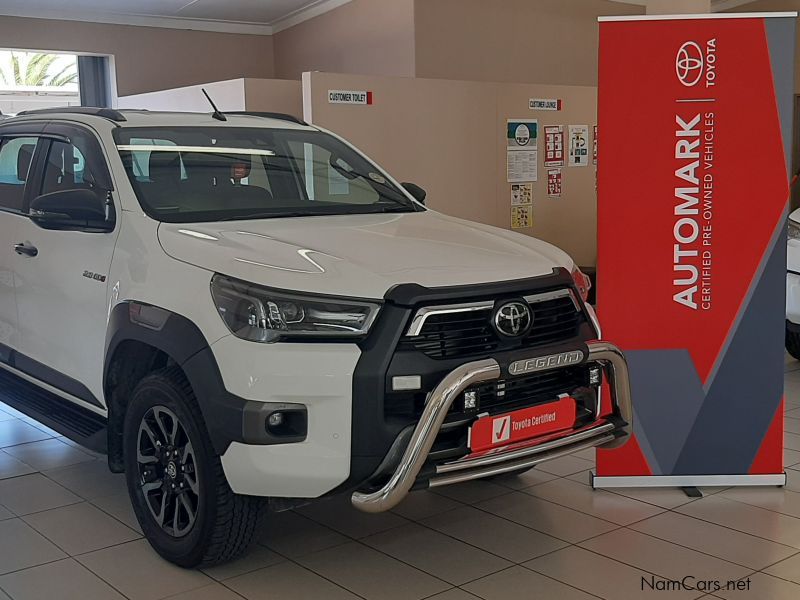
x: 266, y: 95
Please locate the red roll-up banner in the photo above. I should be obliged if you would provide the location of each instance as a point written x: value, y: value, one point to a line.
x: 696, y: 114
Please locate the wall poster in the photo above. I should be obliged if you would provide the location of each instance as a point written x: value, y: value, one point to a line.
x: 554, y: 183
x: 521, y: 193
x: 554, y: 145
x: 578, y: 145
x: 522, y: 140
x: 521, y: 216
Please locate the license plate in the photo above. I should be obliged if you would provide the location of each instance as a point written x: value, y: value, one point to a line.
x: 523, y: 424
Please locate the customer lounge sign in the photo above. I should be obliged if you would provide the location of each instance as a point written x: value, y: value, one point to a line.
x: 692, y: 242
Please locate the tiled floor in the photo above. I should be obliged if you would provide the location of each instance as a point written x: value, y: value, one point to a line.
x: 67, y: 532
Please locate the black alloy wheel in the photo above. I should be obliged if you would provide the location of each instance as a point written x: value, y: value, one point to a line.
x: 168, y: 471
x: 182, y: 500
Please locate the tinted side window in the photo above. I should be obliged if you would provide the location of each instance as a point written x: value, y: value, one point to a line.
x: 75, y: 164
x: 16, y: 155
x: 65, y: 169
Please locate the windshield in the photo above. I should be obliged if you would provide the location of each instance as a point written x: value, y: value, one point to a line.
x: 189, y: 175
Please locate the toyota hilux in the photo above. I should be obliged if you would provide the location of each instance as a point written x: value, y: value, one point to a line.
x: 244, y: 312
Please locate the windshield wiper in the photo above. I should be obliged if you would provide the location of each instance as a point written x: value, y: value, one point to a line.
x: 272, y: 215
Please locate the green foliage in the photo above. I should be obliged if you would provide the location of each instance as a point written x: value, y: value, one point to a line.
x: 35, y: 70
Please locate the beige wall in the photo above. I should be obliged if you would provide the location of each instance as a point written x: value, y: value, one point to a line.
x: 274, y: 95
x: 678, y: 7
x: 553, y: 41
x: 148, y: 58
x: 449, y: 137
x: 369, y: 37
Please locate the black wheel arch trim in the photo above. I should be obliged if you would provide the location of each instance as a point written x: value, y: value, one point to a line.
x: 228, y: 417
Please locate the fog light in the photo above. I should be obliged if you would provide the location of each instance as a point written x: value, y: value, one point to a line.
x: 406, y: 382
x: 275, y: 419
x: 595, y: 376
x: 470, y: 400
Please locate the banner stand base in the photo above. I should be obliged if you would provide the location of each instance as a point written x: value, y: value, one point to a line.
x: 682, y: 481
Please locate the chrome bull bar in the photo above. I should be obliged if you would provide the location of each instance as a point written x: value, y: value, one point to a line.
x: 438, y: 405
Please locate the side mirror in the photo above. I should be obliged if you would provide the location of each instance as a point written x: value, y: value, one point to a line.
x: 71, y: 209
x: 416, y: 192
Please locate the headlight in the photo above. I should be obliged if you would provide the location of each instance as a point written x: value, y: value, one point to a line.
x: 794, y: 230
x: 260, y: 314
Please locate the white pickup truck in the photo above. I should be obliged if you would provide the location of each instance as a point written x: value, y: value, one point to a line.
x: 244, y: 311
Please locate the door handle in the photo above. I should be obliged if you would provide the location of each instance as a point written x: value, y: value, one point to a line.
x: 26, y: 249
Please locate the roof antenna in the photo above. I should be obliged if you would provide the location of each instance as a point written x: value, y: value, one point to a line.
x: 216, y: 114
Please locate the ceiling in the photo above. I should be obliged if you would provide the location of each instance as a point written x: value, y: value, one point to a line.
x: 239, y: 16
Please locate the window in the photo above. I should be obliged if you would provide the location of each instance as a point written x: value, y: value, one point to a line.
x: 330, y: 178
x: 69, y: 166
x: 16, y: 155
x: 184, y: 175
x: 65, y: 169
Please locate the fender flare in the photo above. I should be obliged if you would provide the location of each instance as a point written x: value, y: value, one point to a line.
x: 181, y: 340
x: 228, y: 418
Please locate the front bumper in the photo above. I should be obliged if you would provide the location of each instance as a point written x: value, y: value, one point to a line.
x: 607, y: 432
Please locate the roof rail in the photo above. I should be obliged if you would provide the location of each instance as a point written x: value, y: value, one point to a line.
x: 106, y: 113
x: 268, y: 115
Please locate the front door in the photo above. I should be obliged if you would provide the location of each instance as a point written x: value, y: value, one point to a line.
x: 16, y: 153
x: 62, y: 292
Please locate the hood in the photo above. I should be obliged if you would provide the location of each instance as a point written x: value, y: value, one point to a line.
x: 360, y: 255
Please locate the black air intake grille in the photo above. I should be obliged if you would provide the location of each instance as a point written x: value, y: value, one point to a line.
x: 459, y: 334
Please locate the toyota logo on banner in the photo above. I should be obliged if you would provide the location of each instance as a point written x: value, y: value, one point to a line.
x: 689, y: 64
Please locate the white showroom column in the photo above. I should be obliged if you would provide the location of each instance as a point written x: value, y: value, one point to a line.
x: 677, y: 7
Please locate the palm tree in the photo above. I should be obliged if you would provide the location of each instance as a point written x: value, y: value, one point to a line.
x: 35, y: 71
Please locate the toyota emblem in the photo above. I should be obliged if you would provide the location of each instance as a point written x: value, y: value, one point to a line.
x: 689, y: 64
x: 513, y: 319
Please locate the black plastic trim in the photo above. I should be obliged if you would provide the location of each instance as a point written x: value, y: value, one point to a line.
x: 269, y: 115
x: 373, y: 432
x: 793, y: 327
x: 228, y: 417
x: 412, y: 294
x: 106, y: 113
x: 67, y: 418
x: 46, y: 375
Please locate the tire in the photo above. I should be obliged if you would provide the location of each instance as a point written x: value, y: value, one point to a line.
x: 793, y: 344
x: 181, y: 498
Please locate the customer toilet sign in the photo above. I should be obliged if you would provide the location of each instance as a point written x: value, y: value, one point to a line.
x: 349, y: 97
x: 699, y: 314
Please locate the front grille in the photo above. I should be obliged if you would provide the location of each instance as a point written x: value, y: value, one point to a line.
x: 503, y: 396
x: 461, y: 334
x: 529, y: 390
